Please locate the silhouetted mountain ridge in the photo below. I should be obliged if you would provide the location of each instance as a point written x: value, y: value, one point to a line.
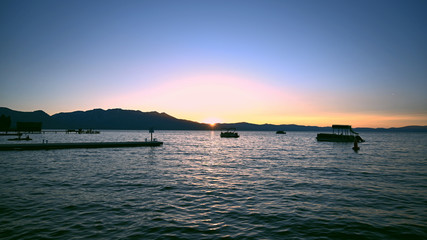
x: 104, y: 119
x: 244, y: 126
x: 123, y: 119
x: 136, y: 120
x: 18, y: 116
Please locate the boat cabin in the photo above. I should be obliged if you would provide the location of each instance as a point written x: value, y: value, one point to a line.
x: 343, y: 130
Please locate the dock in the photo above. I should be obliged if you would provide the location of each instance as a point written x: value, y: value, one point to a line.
x: 48, y: 146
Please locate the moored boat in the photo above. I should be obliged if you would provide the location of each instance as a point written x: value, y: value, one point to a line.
x: 280, y: 132
x: 340, y: 133
x: 229, y: 133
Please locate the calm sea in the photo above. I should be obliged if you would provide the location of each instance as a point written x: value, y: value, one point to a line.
x: 199, y: 186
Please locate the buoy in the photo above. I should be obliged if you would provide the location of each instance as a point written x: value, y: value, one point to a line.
x: 355, y: 147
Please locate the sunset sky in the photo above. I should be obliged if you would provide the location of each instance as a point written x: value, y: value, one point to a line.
x: 316, y: 62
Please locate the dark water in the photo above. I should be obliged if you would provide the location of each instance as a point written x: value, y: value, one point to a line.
x: 199, y: 186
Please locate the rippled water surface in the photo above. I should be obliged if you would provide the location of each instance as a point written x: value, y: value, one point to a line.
x: 199, y: 186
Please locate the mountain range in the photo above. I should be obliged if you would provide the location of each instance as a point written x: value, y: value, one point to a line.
x: 120, y: 119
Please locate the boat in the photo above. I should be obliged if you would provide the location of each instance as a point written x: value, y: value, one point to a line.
x: 340, y: 133
x: 280, y: 132
x: 91, y: 131
x: 82, y: 131
x: 229, y: 133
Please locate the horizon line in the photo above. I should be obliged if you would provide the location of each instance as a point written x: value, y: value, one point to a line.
x: 240, y: 122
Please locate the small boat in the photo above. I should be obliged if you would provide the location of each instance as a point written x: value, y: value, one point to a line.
x: 340, y: 133
x: 280, y: 132
x: 91, y: 131
x: 82, y: 131
x: 229, y: 133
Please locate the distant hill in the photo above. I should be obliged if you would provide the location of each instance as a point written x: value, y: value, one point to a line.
x: 17, y: 116
x: 136, y: 120
x: 123, y: 119
x: 270, y: 127
x: 401, y: 129
x: 104, y: 119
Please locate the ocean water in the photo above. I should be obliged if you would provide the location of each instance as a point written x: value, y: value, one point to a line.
x: 199, y: 186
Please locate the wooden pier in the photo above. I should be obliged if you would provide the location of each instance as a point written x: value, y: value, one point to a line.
x: 48, y: 146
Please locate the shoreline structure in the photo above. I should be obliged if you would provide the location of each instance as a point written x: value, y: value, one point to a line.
x: 50, y: 146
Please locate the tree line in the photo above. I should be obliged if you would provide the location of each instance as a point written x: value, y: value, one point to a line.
x: 5, y: 122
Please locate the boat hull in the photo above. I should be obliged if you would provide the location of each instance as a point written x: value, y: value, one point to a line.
x: 328, y: 137
x: 229, y: 135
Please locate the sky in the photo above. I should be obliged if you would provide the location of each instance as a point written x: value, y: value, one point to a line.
x: 307, y: 62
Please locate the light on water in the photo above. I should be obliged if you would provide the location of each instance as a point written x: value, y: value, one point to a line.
x: 200, y: 186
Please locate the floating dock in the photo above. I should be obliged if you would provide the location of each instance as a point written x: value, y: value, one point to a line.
x: 48, y: 146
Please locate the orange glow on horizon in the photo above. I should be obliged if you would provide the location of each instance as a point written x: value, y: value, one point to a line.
x: 237, y: 98
x: 211, y: 121
x: 356, y: 120
x: 227, y: 96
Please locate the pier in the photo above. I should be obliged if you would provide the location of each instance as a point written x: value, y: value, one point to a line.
x: 78, y: 131
x: 48, y: 146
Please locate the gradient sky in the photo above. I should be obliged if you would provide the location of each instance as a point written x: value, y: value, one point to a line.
x: 316, y: 62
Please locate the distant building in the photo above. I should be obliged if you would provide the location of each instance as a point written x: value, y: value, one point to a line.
x: 29, y: 126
